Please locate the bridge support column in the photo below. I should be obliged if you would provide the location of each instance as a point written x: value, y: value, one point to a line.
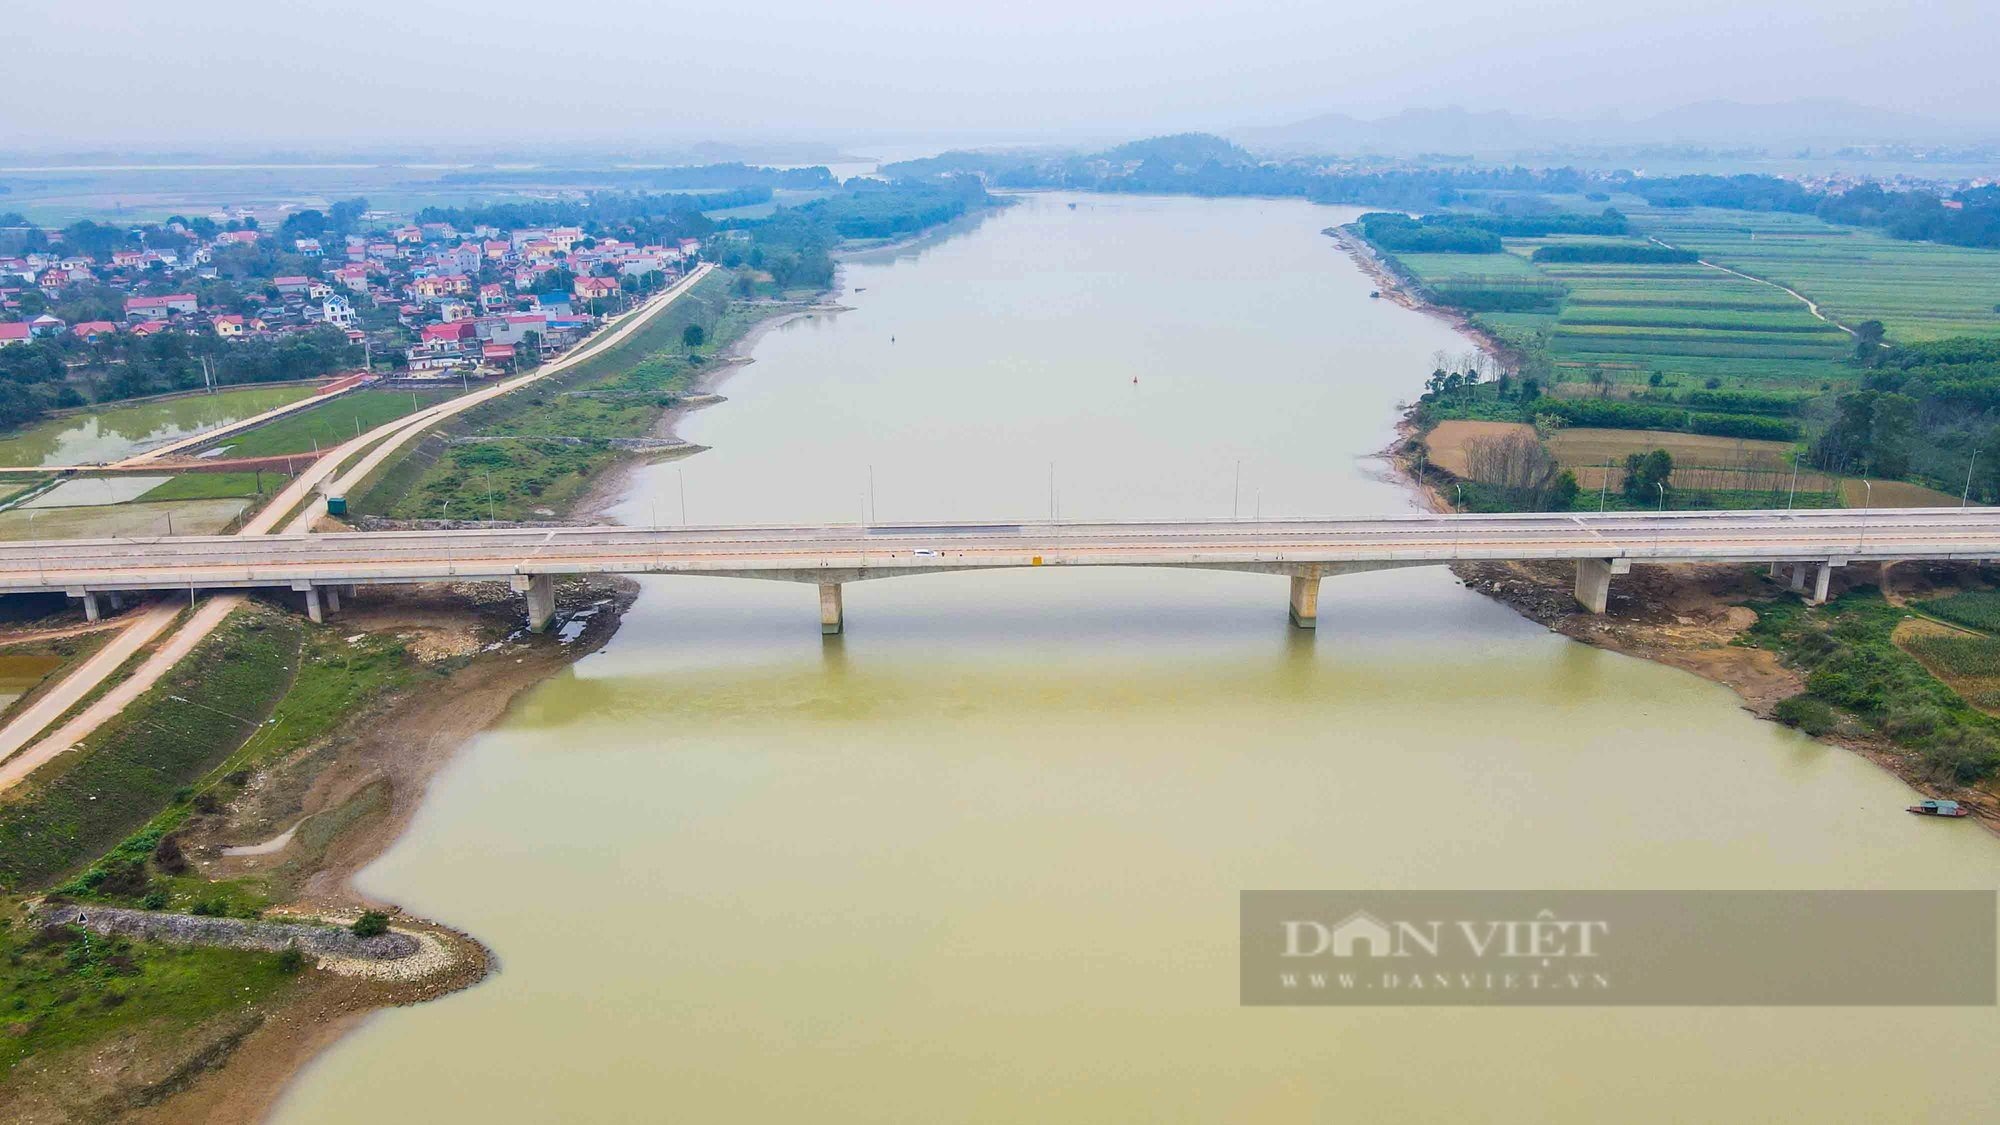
x: 1305, y: 601
x: 832, y: 611
x: 541, y: 591
x: 314, y: 608
x: 1821, y: 581
x: 1799, y: 575
x: 1593, y: 581
x: 92, y: 611
x: 332, y: 599
x: 117, y: 601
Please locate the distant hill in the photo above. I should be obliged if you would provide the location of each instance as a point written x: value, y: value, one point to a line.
x: 1815, y: 121
x: 1190, y: 150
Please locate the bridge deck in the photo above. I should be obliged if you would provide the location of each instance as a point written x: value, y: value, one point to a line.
x: 804, y: 553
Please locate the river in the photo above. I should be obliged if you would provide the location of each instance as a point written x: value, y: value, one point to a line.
x: 978, y: 859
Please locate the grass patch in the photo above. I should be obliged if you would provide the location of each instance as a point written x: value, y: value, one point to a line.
x: 194, y: 717
x: 216, y: 486
x: 65, y: 987
x: 330, y: 423
x: 1853, y: 665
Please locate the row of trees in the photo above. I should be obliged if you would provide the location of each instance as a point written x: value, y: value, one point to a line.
x: 63, y: 371
x: 1917, y: 215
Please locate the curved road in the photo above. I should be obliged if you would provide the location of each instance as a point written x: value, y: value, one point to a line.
x: 16, y: 764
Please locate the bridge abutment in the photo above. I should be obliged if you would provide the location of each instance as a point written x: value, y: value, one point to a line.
x: 1305, y: 601
x: 832, y: 609
x: 541, y: 592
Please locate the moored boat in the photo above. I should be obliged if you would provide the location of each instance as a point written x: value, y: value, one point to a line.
x: 1938, y: 808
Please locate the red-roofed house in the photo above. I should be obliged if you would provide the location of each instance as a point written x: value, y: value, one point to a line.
x: 292, y: 285
x: 13, y: 333
x: 90, y: 330
x: 229, y: 326
x: 149, y: 327
x: 596, y: 287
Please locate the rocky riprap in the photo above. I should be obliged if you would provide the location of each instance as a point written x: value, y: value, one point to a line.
x: 229, y: 933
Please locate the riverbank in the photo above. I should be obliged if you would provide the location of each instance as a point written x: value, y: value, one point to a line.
x: 1393, y: 285
x: 349, y: 793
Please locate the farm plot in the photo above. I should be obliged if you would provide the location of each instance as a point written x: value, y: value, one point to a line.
x: 1918, y: 290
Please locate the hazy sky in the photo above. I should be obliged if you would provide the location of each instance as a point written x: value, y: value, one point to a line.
x: 82, y: 73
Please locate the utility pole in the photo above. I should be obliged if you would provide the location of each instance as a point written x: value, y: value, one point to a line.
x: 1966, y: 497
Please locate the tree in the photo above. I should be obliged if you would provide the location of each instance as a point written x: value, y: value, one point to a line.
x: 1646, y: 476
x: 692, y: 336
x: 372, y: 923
x: 1868, y: 342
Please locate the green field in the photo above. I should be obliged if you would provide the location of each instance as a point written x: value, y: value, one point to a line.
x: 212, y: 486
x: 1918, y: 290
x: 1627, y: 321
x: 329, y: 424
x: 1974, y: 609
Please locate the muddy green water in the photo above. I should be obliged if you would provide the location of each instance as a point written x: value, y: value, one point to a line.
x: 118, y: 432
x: 20, y: 673
x: 978, y: 860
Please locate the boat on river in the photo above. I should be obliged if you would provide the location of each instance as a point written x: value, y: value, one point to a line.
x: 1939, y: 808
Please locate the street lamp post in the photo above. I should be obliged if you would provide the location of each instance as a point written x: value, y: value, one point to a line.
x: 1867, y: 505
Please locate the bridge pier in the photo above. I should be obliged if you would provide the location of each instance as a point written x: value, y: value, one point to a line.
x: 1305, y: 601
x: 832, y: 611
x: 314, y: 608
x: 1593, y: 581
x: 92, y: 611
x: 1822, y: 581
x: 541, y: 591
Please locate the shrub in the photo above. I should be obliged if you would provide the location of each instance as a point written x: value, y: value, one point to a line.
x: 291, y: 959
x: 156, y: 899
x: 1807, y: 714
x: 372, y: 923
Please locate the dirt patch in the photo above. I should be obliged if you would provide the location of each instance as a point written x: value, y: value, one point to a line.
x: 1687, y: 617
x: 1447, y: 440
x: 1893, y: 494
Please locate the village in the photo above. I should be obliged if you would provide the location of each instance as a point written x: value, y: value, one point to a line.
x: 424, y: 300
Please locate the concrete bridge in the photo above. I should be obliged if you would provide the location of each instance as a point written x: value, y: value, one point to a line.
x: 1808, y: 545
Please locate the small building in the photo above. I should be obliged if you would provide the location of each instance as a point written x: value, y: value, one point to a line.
x: 14, y: 332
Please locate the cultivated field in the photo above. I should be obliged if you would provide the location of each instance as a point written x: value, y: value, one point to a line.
x: 1918, y: 290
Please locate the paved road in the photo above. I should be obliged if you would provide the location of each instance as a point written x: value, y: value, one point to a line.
x: 146, y: 624
x: 25, y: 727
x: 1838, y: 535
